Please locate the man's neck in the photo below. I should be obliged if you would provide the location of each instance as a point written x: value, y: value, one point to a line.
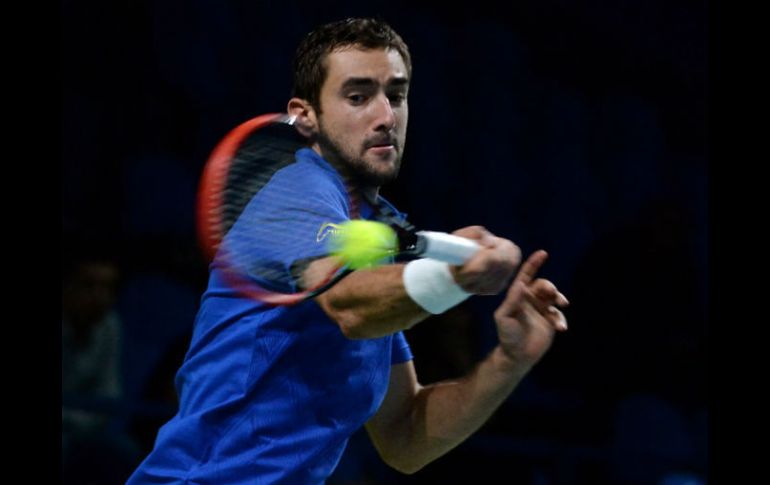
x: 352, y: 181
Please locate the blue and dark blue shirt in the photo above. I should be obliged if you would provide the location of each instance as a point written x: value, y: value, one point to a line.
x: 272, y: 394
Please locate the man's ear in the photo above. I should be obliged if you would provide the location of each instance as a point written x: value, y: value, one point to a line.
x: 305, y: 118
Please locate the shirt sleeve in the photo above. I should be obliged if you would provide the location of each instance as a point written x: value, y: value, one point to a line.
x: 401, y: 351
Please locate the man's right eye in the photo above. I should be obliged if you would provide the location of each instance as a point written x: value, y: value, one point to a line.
x: 356, y: 98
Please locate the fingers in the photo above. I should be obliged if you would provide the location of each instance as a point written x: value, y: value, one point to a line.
x: 508, y: 251
x: 488, y: 240
x: 522, y: 304
x: 477, y: 233
x: 512, y: 304
x: 527, y: 272
x: 490, y: 269
x: 543, y: 296
x: 531, y: 266
x: 547, y: 292
x: 557, y: 319
x: 540, y: 297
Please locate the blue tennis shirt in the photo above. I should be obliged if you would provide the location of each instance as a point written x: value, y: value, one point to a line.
x: 271, y: 394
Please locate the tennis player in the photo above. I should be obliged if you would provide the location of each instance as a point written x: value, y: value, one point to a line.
x: 272, y: 394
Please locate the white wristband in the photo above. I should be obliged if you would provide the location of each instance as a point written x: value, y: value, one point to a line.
x: 431, y: 285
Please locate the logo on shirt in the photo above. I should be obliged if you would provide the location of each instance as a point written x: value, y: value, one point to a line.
x: 326, y: 229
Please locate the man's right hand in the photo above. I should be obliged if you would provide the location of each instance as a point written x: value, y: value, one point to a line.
x: 490, y: 269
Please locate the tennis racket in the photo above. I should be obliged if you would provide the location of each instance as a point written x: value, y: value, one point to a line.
x: 259, y: 248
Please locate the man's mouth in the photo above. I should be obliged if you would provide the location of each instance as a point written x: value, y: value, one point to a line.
x: 382, y: 145
x: 380, y: 140
x: 381, y: 149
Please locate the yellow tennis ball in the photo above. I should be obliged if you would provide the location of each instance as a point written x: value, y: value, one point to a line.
x: 363, y: 244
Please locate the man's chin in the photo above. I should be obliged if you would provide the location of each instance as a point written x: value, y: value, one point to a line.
x: 379, y: 173
x: 382, y: 157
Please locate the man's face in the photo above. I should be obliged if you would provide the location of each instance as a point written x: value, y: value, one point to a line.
x: 364, y: 112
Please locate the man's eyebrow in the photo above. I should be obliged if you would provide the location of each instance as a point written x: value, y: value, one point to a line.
x: 358, y: 82
x: 399, y: 81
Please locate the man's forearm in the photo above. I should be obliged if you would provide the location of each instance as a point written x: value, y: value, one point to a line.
x: 446, y: 413
x: 372, y: 303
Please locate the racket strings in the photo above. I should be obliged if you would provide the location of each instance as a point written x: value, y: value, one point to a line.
x: 260, y: 249
x: 245, y: 249
x: 253, y: 248
x: 260, y: 156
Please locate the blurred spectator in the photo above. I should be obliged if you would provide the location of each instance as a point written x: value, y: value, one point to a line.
x: 91, y: 384
x: 90, y: 339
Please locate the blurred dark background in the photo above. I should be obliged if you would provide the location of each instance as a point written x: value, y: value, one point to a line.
x: 576, y: 127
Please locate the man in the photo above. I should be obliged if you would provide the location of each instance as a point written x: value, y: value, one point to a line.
x: 272, y: 395
x: 90, y: 340
x: 90, y: 370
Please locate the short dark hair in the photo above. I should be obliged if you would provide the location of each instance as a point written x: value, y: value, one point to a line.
x: 309, y: 67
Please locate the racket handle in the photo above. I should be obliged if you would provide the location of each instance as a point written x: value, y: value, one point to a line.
x: 446, y: 247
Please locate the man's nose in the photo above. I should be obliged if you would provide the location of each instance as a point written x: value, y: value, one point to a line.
x: 386, y: 118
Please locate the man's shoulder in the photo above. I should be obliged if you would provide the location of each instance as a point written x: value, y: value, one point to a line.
x: 309, y: 173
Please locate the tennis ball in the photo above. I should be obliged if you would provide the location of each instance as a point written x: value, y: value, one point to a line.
x: 362, y: 244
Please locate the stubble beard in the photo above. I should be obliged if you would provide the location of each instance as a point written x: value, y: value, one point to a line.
x: 356, y: 168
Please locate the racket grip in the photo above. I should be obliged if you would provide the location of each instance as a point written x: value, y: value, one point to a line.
x: 446, y: 247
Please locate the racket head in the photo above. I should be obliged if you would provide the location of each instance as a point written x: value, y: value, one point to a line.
x: 239, y: 167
